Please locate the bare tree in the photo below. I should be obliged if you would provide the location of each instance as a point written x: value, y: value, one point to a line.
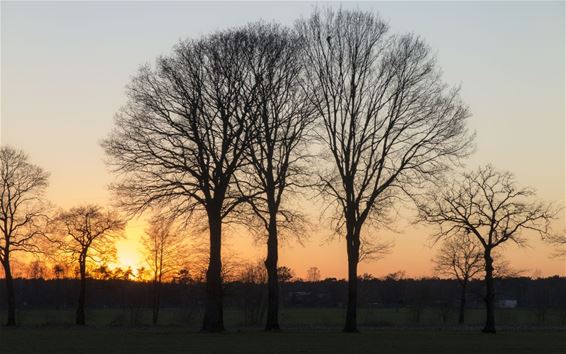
x: 387, y: 122
x: 182, y: 136
x: 313, y: 274
x: 278, y: 152
x: 461, y: 258
x: 252, y: 278
x: 165, y: 251
x: 86, y: 233
x: 37, y: 270
x: 22, y: 213
x: 59, y: 271
x: 490, y: 206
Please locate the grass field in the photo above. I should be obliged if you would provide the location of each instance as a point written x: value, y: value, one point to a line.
x: 312, y: 330
x: 297, y: 318
x: 99, y: 340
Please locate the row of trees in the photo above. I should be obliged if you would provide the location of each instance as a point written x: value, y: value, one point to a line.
x: 230, y: 126
x: 81, y: 233
x: 234, y: 120
x: 221, y: 127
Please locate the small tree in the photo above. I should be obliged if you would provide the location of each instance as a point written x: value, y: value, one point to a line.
x: 488, y: 205
x: 313, y: 274
x: 37, y: 270
x: 22, y: 213
x: 165, y: 250
x: 87, y: 233
x: 253, y: 277
x: 285, y: 274
x: 58, y: 271
x: 461, y: 258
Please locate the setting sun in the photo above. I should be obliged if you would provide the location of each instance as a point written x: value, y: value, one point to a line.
x: 129, y: 252
x: 128, y: 255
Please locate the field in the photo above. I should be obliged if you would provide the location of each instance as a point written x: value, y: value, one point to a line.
x: 308, y: 331
x: 175, y: 340
x: 299, y: 318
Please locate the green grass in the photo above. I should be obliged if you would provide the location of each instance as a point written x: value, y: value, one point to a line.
x: 63, y: 340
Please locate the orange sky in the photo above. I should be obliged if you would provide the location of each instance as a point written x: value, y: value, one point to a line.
x: 64, y: 67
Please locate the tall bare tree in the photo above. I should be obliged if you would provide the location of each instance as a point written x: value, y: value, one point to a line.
x: 488, y: 205
x: 165, y: 251
x: 461, y: 258
x: 86, y: 233
x: 22, y: 213
x: 178, y: 142
x: 278, y: 153
x: 387, y: 122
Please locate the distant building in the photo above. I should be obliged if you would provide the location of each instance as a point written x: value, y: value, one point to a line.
x: 507, y: 304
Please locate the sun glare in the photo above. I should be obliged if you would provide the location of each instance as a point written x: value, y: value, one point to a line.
x: 128, y: 255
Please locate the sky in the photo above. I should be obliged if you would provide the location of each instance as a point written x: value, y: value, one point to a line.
x: 64, y: 67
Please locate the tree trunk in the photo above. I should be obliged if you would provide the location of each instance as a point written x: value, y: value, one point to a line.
x: 489, y: 294
x: 353, y: 249
x: 80, y: 315
x: 156, y: 300
x: 213, y: 313
x: 10, y: 294
x: 461, y: 318
x: 272, y: 323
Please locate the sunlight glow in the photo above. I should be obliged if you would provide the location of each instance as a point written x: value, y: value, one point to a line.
x: 128, y: 256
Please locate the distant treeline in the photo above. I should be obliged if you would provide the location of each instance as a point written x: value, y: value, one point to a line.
x: 386, y: 293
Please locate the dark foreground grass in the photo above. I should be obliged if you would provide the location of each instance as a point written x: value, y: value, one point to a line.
x: 307, y: 318
x: 174, y: 340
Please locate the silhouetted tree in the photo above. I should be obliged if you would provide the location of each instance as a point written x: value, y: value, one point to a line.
x: 102, y: 272
x: 461, y: 258
x: 58, y: 271
x: 252, y: 278
x: 490, y: 206
x: 285, y: 274
x: 387, y: 122
x: 22, y: 213
x: 278, y: 151
x: 183, y: 276
x: 165, y: 249
x: 37, y: 270
x: 313, y: 274
x: 140, y: 273
x: 87, y: 233
x: 178, y: 142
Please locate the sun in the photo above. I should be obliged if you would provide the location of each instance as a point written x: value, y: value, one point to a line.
x: 127, y: 255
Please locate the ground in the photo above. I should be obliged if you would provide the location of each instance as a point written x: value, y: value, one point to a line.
x: 315, y: 330
x: 108, y: 340
x: 297, y: 318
